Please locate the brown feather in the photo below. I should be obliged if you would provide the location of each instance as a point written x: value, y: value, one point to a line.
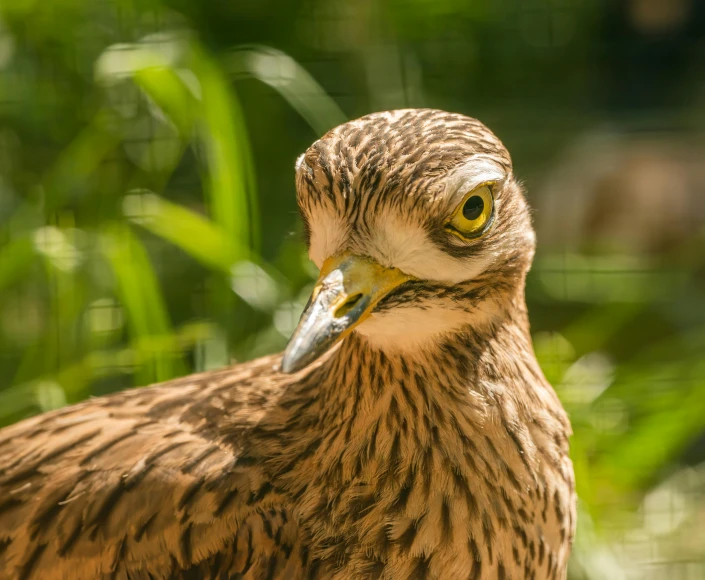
x: 449, y: 462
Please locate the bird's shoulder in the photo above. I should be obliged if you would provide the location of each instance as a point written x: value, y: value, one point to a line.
x: 148, y: 479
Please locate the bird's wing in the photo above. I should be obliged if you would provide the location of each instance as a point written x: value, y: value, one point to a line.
x: 139, y: 482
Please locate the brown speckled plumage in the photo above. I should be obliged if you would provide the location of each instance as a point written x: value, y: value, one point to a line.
x: 446, y: 457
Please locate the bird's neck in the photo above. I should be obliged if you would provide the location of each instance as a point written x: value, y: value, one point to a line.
x: 471, y: 419
x: 468, y: 382
x: 361, y: 378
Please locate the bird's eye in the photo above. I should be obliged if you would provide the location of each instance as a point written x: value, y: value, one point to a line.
x: 474, y: 215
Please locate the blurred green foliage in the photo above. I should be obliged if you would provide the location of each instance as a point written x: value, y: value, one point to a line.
x: 148, y: 225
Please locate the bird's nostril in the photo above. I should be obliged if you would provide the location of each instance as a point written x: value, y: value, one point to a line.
x: 348, y: 305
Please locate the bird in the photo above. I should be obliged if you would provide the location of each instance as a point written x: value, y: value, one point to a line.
x: 406, y: 431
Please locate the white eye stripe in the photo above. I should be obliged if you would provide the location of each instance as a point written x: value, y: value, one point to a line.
x: 328, y: 234
x: 405, y: 245
x: 395, y: 242
x: 477, y: 171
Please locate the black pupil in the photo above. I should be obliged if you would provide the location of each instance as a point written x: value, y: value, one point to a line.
x: 473, y: 208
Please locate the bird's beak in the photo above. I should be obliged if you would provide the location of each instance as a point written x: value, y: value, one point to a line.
x: 347, y: 290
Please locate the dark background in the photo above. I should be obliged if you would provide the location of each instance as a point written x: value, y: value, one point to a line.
x: 148, y: 225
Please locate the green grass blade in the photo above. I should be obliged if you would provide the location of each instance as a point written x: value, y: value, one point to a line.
x: 291, y: 81
x: 230, y: 179
x: 168, y: 91
x: 138, y: 290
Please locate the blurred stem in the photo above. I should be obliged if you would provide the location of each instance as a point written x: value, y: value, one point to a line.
x: 139, y: 292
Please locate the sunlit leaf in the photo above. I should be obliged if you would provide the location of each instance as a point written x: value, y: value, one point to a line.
x: 201, y: 238
x: 665, y: 395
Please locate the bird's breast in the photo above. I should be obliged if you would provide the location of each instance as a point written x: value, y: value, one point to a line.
x: 408, y: 485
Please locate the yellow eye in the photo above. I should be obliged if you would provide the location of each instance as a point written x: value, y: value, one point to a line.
x: 475, y: 214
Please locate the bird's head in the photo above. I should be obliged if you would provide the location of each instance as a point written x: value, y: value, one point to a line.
x: 418, y: 227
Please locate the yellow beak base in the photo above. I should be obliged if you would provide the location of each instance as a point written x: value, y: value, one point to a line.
x: 347, y: 290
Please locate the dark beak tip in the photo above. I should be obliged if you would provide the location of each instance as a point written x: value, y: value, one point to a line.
x: 288, y: 366
x: 293, y: 361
